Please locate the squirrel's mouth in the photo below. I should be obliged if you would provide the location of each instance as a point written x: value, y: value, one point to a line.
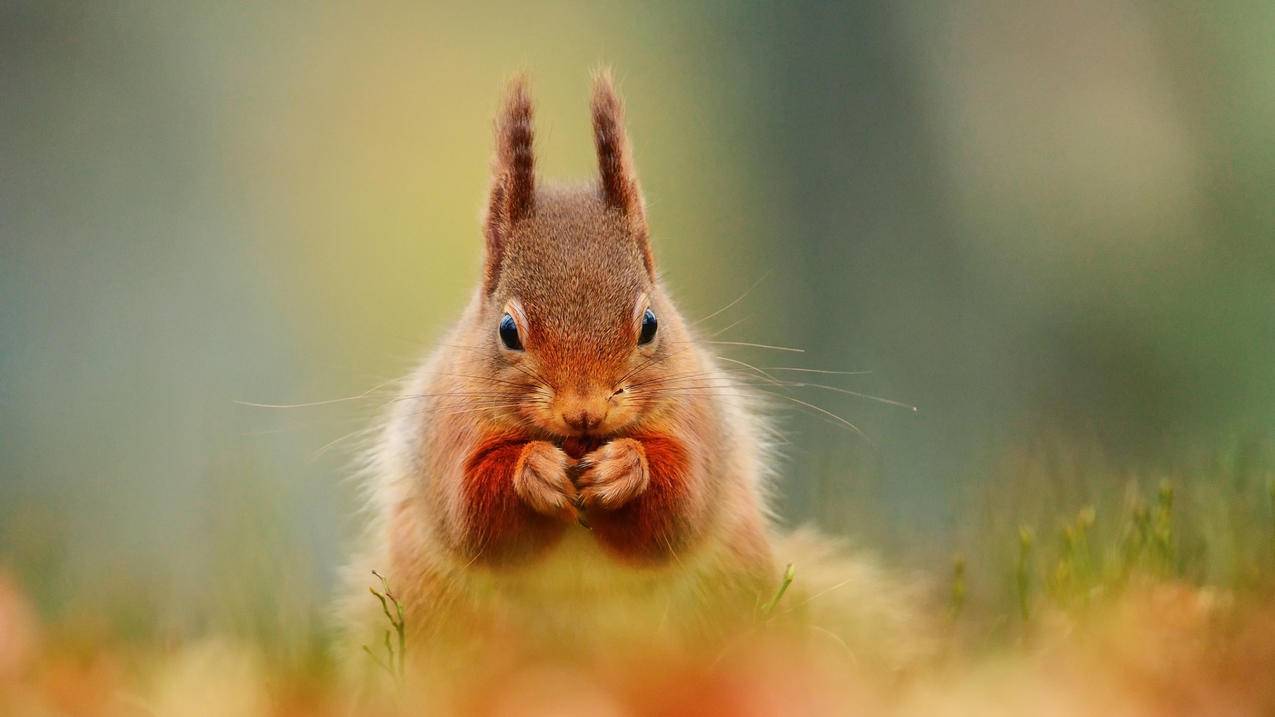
x: 568, y: 430
x: 578, y: 447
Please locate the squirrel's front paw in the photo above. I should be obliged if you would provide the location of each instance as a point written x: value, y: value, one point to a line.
x: 613, y: 474
x: 541, y: 481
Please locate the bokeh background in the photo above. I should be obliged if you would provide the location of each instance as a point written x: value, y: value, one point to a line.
x: 1048, y: 225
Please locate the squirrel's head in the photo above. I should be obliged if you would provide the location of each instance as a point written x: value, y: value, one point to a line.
x: 574, y: 330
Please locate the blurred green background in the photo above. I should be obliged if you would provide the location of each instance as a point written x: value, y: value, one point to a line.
x: 1044, y: 224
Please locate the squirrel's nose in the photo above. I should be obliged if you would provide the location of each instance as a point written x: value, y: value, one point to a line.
x: 583, y: 420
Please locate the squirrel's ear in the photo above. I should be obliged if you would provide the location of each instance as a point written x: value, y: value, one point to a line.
x: 619, y: 183
x: 513, y: 181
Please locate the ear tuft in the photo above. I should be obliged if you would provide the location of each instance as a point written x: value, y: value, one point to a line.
x: 513, y: 184
x: 514, y: 155
x: 619, y: 183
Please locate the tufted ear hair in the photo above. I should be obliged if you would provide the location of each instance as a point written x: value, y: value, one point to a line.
x: 619, y: 185
x: 513, y: 181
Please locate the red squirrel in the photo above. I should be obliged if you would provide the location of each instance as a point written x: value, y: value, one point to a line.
x: 570, y: 465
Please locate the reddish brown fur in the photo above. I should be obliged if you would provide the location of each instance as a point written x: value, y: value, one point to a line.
x: 658, y: 524
x: 499, y: 527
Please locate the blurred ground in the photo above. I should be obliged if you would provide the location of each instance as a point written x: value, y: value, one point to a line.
x: 1165, y: 649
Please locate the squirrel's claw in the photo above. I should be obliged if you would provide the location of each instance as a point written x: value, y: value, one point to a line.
x: 616, y: 473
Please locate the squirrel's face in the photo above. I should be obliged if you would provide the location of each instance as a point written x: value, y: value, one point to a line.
x: 575, y: 326
x: 575, y: 336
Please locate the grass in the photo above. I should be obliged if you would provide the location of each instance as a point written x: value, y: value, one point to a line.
x: 1022, y: 571
x: 790, y: 574
x: 1148, y: 597
x: 394, y: 663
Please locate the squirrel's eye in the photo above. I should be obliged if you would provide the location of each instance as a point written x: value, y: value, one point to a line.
x: 509, y: 333
x: 649, y: 325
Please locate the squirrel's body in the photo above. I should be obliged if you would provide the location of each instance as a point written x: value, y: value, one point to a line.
x: 455, y: 564
x: 570, y: 469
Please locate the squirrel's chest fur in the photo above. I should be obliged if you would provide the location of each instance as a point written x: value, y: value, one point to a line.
x: 576, y: 589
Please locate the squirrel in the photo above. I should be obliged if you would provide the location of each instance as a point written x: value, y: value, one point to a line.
x: 571, y: 466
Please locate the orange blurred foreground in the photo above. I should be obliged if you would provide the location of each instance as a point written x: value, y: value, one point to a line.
x: 1160, y: 649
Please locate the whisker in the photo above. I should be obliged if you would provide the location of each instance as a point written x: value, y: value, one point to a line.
x: 689, y: 374
x: 809, y: 409
x: 757, y: 346
x: 457, y: 408
x: 532, y: 375
x: 821, y: 410
x: 360, y: 419
x: 310, y: 404
x: 817, y: 370
x: 747, y: 365
x: 444, y: 394
x: 474, y: 401
x: 477, y: 397
x: 444, y: 401
x: 766, y: 379
x: 492, y: 379
x: 652, y: 361
x: 836, y: 389
x: 723, y: 391
x: 848, y: 392
x: 679, y: 387
x: 330, y: 444
x: 476, y: 409
x: 738, y: 299
x: 728, y: 327
x: 726, y: 391
x: 479, y: 349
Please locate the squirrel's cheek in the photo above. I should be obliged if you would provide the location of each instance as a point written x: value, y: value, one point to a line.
x: 622, y: 415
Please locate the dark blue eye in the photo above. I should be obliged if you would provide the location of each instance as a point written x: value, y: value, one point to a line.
x: 649, y: 325
x: 509, y: 333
